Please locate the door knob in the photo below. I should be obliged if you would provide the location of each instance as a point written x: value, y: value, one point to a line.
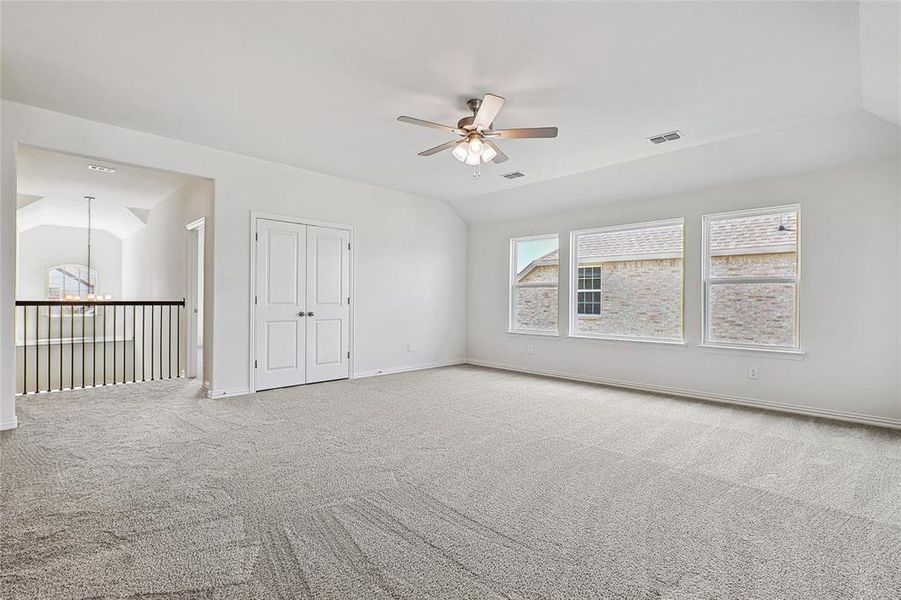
x: 301, y: 313
x: 310, y: 314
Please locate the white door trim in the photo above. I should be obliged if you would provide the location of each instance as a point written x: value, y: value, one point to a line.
x: 254, y: 216
x: 192, y: 295
x: 197, y: 224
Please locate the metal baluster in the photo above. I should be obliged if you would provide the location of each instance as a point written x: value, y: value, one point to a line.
x: 115, y: 351
x: 134, y: 343
x: 49, y: 335
x: 169, y: 355
x: 72, y: 348
x: 104, y: 345
x: 94, y: 347
x: 152, y: 325
x: 62, y: 314
x: 178, y: 340
x: 84, y: 333
x: 24, y: 350
x: 37, y: 339
x: 143, y: 341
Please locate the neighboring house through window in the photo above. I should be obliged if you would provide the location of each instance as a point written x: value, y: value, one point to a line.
x: 628, y: 282
x: 751, y: 278
x: 534, y: 305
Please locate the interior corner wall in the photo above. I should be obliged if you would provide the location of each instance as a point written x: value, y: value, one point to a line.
x: 849, y: 299
x: 409, y: 254
x: 154, y: 258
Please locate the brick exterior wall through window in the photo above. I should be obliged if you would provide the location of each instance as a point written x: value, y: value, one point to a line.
x: 535, y: 300
x: 762, y: 313
x: 639, y: 298
x: 642, y: 294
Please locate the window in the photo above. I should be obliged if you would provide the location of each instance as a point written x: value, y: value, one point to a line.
x: 628, y: 282
x: 751, y: 278
x: 70, y: 282
x: 534, y: 264
x: 588, y: 301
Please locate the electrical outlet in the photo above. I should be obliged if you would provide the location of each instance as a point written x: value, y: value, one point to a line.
x: 531, y: 349
x: 753, y: 373
x: 409, y: 346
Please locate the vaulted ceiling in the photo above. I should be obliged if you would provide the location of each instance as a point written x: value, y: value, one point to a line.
x: 319, y: 86
x: 52, y: 186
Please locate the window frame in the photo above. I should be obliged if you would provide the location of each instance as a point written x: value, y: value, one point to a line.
x: 581, y: 290
x: 573, y: 283
x: 511, y: 286
x: 707, y: 282
x: 60, y: 314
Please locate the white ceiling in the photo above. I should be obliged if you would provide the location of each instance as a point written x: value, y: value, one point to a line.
x: 320, y: 85
x: 852, y: 136
x: 52, y: 186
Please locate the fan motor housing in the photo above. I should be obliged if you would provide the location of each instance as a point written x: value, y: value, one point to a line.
x: 466, y: 123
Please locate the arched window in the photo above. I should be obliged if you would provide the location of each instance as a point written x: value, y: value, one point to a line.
x: 69, y: 282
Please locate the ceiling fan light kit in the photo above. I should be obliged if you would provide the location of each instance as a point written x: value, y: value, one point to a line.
x: 476, y: 148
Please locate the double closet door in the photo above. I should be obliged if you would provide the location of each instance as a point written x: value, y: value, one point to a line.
x: 301, y: 305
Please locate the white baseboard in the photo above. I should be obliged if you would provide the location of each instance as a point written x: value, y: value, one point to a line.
x: 217, y: 394
x: 11, y: 424
x: 435, y: 365
x: 775, y: 406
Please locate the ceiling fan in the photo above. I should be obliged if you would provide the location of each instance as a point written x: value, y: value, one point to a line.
x: 476, y: 146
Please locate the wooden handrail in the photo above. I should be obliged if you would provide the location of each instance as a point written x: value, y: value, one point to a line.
x: 100, y: 302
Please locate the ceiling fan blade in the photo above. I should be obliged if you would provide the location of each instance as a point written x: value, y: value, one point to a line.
x: 525, y: 132
x: 420, y: 122
x: 500, y: 156
x: 491, y: 105
x: 438, y: 149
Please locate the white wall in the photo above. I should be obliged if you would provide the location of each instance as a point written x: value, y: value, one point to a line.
x: 409, y: 254
x: 849, y: 297
x: 155, y: 257
x: 49, y: 245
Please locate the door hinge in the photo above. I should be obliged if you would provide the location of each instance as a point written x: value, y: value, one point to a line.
x: 254, y: 364
x: 348, y: 245
x: 348, y: 355
x: 348, y: 300
x: 254, y: 299
x: 256, y: 237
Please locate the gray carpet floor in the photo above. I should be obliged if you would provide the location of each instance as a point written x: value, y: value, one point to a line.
x: 448, y: 483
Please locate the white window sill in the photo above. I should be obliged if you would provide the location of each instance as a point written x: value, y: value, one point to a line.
x: 636, y: 340
x: 527, y: 332
x: 767, y: 352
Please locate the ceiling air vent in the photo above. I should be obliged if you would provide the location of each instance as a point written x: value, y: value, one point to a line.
x: 665, y: 137
x: 513, y: 175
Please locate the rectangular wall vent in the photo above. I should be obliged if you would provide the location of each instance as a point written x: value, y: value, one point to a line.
x: 513, y: 175
x: 665, y: 137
